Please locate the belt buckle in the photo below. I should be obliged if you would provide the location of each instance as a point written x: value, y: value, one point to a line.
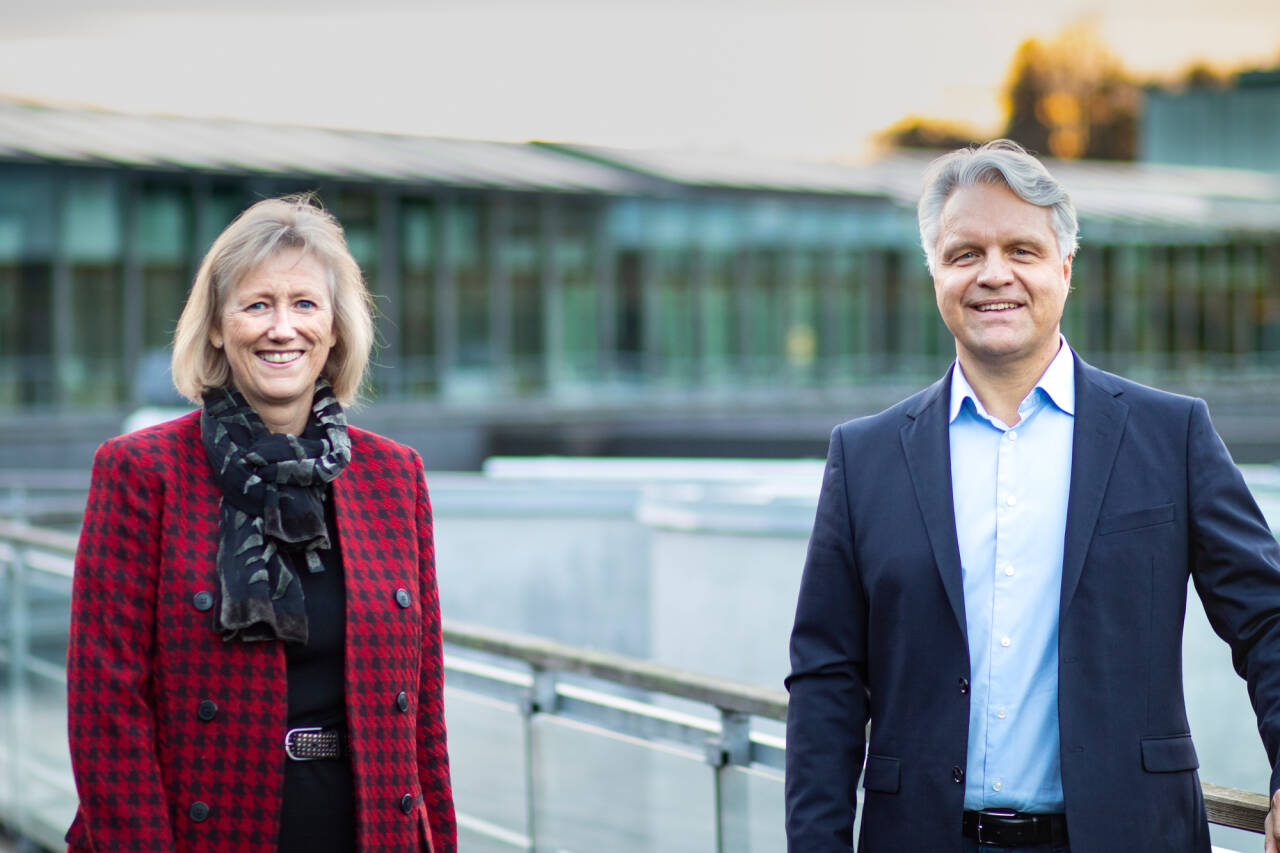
x: 288, y: 744
x: 996, y: 837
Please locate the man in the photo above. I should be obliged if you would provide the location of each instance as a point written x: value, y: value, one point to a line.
x: 998, y: 571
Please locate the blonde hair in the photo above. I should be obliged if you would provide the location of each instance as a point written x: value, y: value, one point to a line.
x: 268, y: 227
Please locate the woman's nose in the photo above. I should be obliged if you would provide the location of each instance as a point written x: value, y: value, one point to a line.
x: 281, y: 323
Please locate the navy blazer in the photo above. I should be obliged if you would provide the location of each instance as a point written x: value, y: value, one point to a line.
x: 879, y: 634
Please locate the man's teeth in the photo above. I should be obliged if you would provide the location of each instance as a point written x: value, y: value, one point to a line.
x: 997, y: 306
x: 278, y: 357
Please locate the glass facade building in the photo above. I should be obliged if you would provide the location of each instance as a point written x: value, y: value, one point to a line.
x: 511, y: 272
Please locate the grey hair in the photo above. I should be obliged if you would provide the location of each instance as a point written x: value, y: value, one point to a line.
x: 267, y: 228
x: 1001, y: 161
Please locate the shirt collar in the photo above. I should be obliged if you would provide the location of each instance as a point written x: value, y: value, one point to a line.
x: 1058, y: 382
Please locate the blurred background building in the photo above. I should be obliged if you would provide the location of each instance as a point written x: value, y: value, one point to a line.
x: 558, y: 298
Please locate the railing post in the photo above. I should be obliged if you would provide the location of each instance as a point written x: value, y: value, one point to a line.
x: 733, y: 807
x: 540, y: 698
x: 17, y: 705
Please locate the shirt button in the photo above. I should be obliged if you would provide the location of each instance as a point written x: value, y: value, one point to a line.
x: 199, y: 811
x: 1011, y: 500
x: 402, y: 597
x: 996, y: 786
x: 207, y: 710
x: 957, y: 773
x: 1008, y: 571
x: 406, y: 804
x: 1006, y: 642
x: 1012, y: 435
x: 402, y: 701
x: 964, y: 684
x: 202, y: 600
x: 1002, y: 713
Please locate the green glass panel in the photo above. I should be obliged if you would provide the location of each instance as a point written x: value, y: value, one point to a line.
x: 164, y: 226
x: 91, y: 223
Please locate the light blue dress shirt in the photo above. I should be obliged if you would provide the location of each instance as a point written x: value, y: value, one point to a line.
x: 1010, y: 488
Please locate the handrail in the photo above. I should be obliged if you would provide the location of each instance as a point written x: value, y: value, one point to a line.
x: 29, y: 536
x: 1231, y: 807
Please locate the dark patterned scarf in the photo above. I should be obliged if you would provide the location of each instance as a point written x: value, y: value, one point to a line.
x: 273, y: 491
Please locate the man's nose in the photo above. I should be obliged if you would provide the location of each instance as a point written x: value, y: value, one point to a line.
x: 996, y: 271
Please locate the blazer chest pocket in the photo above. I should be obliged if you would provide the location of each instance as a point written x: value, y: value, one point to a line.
x: 883, y: 774
x: 1169, y: 754
x: 1135, y: 519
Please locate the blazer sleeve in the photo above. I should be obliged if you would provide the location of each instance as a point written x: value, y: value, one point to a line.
x: 110, y: 715
x: 828, y: 709
x: 433, y: 753
x: 1236, y: 569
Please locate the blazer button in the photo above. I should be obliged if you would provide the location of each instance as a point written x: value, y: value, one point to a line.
x: 402, y: 597
x: 957, y: 773
x: 964, y: 684
x: 402, y: 701
x: 207, y: 710
x: 202, y: 600
x: 406, y: 804
x: 199, y: 811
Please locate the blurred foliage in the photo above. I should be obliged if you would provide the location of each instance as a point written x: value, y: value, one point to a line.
x: 1070, y: 97
x: 915, y: 131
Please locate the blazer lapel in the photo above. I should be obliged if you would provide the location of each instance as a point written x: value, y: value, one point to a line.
x: 927, y: 447
x: 1099, y: 424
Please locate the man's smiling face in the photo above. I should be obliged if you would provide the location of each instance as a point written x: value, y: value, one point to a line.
x: 999, y: 278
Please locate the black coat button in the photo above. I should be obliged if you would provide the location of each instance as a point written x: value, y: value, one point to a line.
x: 402, y: 597
x: 202, y: 600
x: 402, y: 701
x: 407, y: 803
x: 964, y: 684
x: 957, y: 773
x: 207, y: 710
x: 198, y: 811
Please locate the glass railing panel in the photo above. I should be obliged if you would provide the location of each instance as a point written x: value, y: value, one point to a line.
x: 598, y: 791
x: 486, y: 762
x: 753, y: 805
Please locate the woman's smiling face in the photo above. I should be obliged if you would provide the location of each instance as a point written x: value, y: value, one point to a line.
x: 276, y: 328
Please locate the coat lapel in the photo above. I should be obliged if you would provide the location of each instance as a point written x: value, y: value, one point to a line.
x: 1099, y: 424
x: 926, y: 444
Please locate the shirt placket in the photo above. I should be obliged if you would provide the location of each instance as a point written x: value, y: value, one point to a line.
x: 1010, y: 507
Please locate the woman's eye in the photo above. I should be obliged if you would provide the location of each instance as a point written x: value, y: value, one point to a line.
x: 306, y: 304
x: 255, y: 306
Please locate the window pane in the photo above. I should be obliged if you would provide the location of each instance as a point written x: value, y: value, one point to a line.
x: 417, y: 297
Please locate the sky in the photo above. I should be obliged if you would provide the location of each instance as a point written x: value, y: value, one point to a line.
x: 797, y: 79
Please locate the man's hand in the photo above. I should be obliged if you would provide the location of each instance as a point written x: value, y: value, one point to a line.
x: 1271, y: 826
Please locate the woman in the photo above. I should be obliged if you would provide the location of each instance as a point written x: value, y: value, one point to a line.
x: 255, y: 660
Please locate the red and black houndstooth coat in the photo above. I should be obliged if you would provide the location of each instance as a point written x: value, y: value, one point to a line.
x: 152, y: 775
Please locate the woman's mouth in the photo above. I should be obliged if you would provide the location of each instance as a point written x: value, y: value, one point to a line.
x: 280, y: 357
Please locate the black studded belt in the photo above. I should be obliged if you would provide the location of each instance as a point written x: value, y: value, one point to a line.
x: 1003, y: 828
x: 313, y: 743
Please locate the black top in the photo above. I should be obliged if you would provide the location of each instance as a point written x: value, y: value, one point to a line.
x: 318, y: 813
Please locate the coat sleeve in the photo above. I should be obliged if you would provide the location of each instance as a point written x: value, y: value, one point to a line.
x: 1236, y: 569
x: 110, y: 713
x: 433, y: 754
x: 828, y: 709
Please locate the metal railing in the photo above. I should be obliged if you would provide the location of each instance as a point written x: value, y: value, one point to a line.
x: 652, y: 708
